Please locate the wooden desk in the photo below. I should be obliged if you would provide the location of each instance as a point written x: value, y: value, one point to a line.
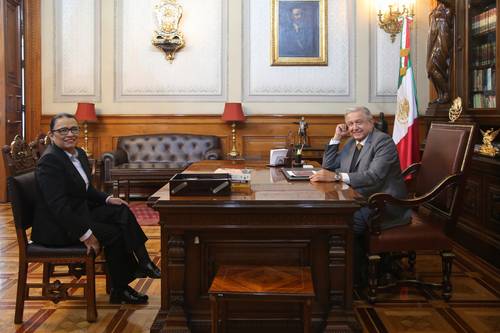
x: 273, y: 222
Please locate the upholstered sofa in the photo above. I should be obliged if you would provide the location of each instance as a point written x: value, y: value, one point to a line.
x: 150, y: 160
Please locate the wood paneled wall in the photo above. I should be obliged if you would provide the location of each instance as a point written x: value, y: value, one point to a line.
x: 255, y: 137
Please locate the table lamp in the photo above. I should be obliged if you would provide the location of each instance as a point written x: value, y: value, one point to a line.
x: 86, y: 112
x: 233, y: 112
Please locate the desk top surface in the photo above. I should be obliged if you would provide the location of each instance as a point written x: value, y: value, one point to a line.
x: 268, y: 187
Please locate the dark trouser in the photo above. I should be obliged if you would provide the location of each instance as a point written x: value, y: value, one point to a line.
x: 359, y: 227
x: 396, y: 216
x: 117, y: 230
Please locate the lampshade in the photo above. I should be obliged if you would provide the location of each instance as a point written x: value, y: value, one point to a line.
x: 233, y: 112
x: 86, y: 112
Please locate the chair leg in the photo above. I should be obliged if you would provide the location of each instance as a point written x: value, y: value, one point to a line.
x: 412, y: 258
x: 214, y: 314
x: 90, y: 290
x: 108, y: 281
x: 21, y: 292
x: 373, y: 263
x: 447, y: 261
x: 307, y: 316
x: 48, y: 270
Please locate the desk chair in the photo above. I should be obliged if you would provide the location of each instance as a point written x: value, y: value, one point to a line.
x: 260, y: 283
x: 22, y: 191
x: 439, y: 183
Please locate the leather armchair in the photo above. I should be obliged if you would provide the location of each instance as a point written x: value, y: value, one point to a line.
x: 436, y: 202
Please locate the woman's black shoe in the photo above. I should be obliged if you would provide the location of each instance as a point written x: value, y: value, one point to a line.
x: 136, y: 293
x: 127, y: 296
x: 149, y: 270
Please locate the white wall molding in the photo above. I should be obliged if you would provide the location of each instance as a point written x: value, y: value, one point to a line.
x: 332, y: 83
x: 199, y: 70
x: 77, y: 49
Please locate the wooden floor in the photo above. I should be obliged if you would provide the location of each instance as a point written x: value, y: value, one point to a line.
x: 475, y: 306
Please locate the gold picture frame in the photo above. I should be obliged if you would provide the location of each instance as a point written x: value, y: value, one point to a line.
x: 299, y: 33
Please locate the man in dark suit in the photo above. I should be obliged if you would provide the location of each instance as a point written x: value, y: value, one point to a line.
x: 69, y: 210
x: 369, y: 163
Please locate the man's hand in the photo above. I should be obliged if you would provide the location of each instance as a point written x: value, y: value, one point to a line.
x: 341, y: 132
x: 116, y: 201
x: 92, y: 243
x: 323, y: 175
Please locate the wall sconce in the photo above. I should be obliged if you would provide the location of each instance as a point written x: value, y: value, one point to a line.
x: 390, y: 13
x: 168, y: 38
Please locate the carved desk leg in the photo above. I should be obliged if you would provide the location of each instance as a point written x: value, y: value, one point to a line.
x: 341, y: 317
x: 176, y: 264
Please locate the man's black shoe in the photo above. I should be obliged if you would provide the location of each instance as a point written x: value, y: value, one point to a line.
x: 150, y: 270
x: 127, y: 296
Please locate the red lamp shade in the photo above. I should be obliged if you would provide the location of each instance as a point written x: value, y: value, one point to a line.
x: 86, y: 112
x: 233, y: 112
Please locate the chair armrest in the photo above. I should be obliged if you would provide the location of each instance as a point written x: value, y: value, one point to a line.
x: 112, y: 159
x: 213, y: 154
x: 378, y: 201
x: 411, y: 169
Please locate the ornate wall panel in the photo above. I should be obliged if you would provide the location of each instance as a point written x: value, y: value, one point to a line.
x: 263, y: 82
x: 77, y: 50
x: 198, y: 71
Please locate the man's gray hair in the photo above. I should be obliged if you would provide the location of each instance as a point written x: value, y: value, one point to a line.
x: 364, y: 109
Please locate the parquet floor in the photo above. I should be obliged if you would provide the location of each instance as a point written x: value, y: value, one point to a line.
x: 475, y: 306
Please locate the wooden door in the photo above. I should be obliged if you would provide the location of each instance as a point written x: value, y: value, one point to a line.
x: 11, y: 100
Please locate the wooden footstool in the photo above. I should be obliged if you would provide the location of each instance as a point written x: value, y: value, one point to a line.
x: 265, y: 283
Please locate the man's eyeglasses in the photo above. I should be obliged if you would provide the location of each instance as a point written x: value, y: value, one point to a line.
x: 64, y: 130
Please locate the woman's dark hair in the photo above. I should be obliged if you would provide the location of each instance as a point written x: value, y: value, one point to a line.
x: 59, y: 116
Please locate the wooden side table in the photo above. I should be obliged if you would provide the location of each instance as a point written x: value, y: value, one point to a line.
x: 264, y: 283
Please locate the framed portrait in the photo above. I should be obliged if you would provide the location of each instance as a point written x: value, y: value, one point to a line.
x: 299, y: 33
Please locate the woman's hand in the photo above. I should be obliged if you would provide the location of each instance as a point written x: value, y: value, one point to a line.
x: 116, y: 201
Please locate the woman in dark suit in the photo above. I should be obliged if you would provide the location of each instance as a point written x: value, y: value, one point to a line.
x: 70, y: 210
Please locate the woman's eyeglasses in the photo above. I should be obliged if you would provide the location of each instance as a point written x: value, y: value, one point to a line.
x: 64, y: 130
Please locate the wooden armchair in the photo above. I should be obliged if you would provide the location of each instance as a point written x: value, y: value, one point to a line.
x: 18, y: 157
x: 22, y: 191
x: 439, y: 181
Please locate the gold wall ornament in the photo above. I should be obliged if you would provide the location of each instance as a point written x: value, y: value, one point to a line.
x: 168, y: 38
x: 389, y: 18
x: 487, y: 147
x: 455, y: 109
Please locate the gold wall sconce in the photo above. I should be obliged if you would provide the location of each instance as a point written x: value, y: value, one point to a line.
x: 390, y: 12
x: 168, y: 38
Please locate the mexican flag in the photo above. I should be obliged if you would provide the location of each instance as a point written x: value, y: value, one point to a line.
x: 405, y: 133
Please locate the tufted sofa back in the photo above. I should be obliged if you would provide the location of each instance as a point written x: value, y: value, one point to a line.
x: 173, y: 148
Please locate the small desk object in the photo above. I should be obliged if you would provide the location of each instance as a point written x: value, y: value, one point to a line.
x: 269, y: 222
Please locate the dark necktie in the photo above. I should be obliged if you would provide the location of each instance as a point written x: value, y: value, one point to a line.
x: 353, y: 168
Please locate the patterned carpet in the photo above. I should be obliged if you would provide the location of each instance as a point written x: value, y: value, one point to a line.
x: 475, y: 306
x: 144, y: 214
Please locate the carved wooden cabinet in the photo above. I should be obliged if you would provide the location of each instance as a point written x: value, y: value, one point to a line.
x: 472, y: 76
